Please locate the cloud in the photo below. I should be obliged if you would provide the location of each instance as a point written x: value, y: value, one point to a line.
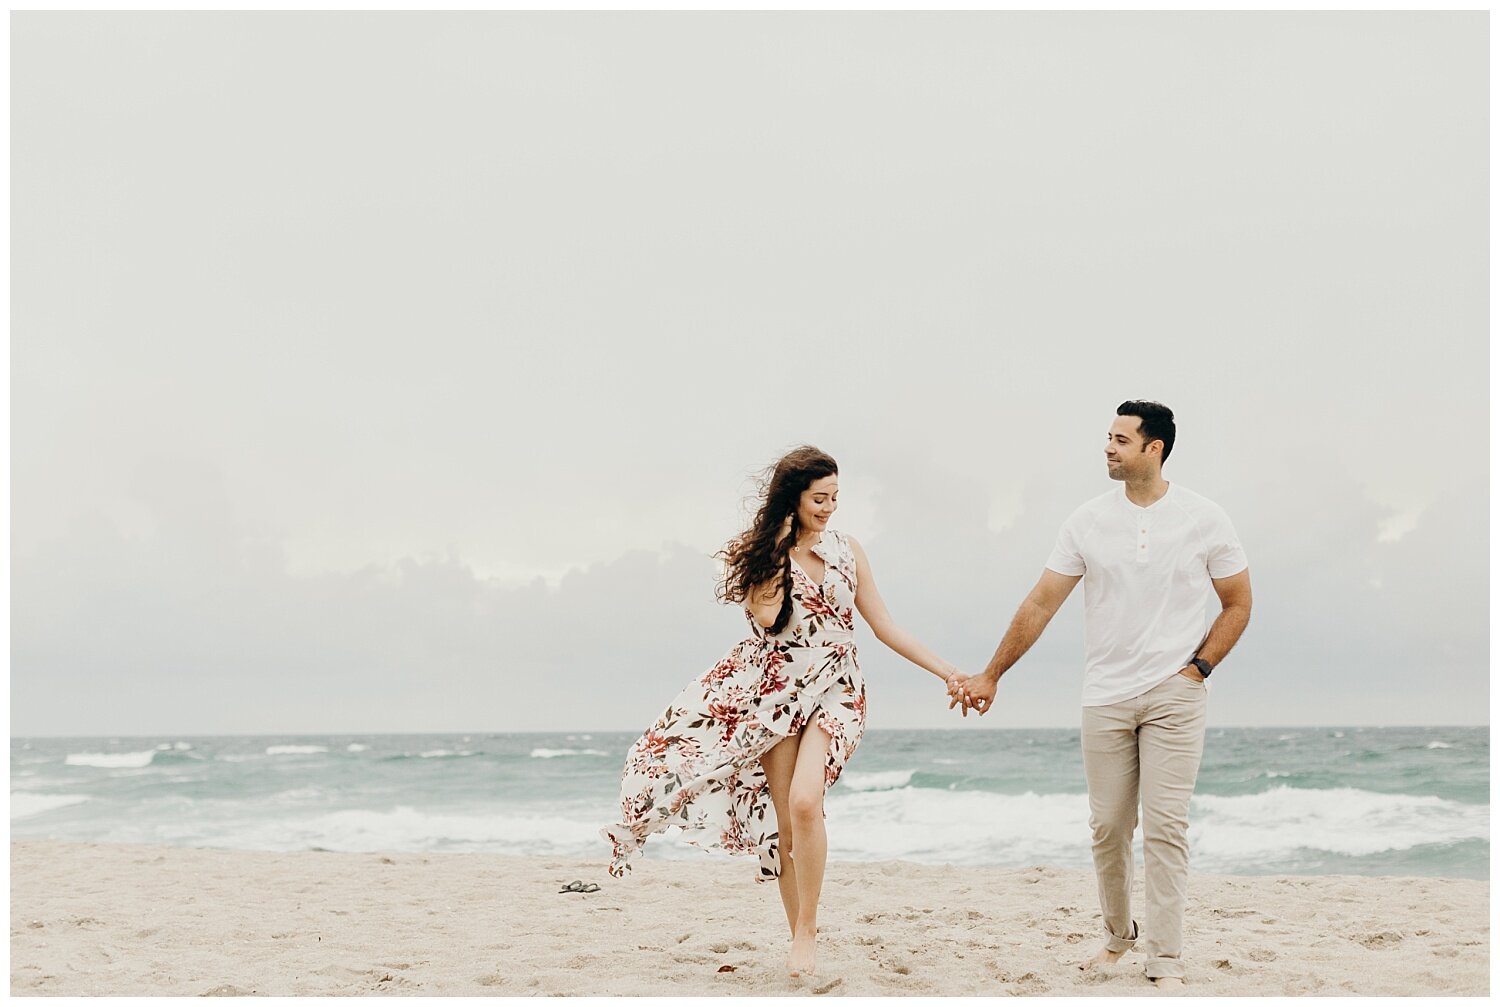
x: 196, y: 626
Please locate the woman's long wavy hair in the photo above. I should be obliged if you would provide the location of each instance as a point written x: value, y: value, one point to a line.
x: 761, y: 554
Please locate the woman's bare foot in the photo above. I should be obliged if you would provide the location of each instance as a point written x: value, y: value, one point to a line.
x: 1104, y: 957
x: 804, y: 953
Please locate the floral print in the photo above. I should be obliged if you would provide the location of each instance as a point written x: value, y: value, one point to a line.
x: 698, y: 766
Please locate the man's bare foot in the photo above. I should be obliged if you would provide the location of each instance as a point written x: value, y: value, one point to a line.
x: 1169, y: 984
x: 804, y: 953
x: 1104, y: 957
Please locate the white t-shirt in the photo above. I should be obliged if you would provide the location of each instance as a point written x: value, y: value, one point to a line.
x: 1146, y: 585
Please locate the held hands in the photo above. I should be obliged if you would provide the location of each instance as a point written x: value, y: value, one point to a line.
x: 966, y: 692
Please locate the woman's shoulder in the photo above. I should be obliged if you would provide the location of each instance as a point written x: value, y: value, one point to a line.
x: 847, y: 543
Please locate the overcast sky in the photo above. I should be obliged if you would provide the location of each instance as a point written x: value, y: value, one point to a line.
x: 396, y: 372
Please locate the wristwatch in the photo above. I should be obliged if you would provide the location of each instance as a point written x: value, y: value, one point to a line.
x: 1204, y: 668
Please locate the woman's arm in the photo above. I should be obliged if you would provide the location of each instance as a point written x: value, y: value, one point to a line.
x: 764, y: 602
x: 872, y: 607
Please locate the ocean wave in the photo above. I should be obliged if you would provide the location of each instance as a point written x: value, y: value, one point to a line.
x: 1254, y: 833
x: 296, y: 750
x: 963, y: 827
x: 355, y: 746
x: 890, y: 780
x: 556, y: 753
x: 443, y: 753
x: 1266, y: 826
x: 25, y: 805
x: 1438, y: 744
x: 169, y: 746
x: 1225, y: 833
x: 111, y: 760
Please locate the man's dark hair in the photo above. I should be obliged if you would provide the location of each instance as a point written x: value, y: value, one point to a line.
x: 1156, y: 423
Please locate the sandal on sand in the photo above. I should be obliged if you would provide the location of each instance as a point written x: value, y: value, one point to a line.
x: 571, y: 886
x: 590, y: 887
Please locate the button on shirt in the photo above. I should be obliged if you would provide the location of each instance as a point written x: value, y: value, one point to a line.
x: 1147, y: 584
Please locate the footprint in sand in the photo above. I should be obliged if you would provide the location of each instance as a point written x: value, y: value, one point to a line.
x: 828, y: 986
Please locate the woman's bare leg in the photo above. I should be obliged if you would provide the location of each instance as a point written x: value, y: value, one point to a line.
x: 810, y: 835
x: 779, y: 764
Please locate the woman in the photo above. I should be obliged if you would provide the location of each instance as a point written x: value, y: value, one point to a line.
x: 775, y: 721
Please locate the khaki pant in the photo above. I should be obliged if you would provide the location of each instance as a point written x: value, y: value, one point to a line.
x: 1145, y: 751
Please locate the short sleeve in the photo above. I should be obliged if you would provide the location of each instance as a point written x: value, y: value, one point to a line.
x: 1067, y: 554
x: 1226, y: 557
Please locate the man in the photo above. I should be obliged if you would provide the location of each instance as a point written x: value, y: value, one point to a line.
x: 1147, y: 554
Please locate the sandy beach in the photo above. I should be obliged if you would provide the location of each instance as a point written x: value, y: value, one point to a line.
x: 94, y: 919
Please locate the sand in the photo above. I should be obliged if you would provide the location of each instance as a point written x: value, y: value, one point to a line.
x: 95, y: 919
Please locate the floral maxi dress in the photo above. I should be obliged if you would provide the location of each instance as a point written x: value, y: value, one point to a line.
x: 698, y: 767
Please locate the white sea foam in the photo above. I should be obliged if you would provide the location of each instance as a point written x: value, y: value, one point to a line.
x: 25, y: 805
x: 1438, y: 744
x: 1272, y: 774
x: 355, y: 746
x: 944, y: 826
x: 295, y: 750
x: 946, y: 762
x: 556, y: 753
x: 1263, y: 828
x: 111, y: 760
x: 1253, y: 832
x: 890, y: 780
x: 442, y: 753
x: 298, y: 796
x: 1226, y: 833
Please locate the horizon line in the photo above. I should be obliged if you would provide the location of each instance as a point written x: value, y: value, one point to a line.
x: 619, y: 730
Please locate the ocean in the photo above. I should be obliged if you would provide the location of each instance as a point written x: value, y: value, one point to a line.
x: 1355, y: 800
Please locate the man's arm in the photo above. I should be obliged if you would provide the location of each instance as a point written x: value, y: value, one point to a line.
x: 1234, y: 596
x: 1027, y: 625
